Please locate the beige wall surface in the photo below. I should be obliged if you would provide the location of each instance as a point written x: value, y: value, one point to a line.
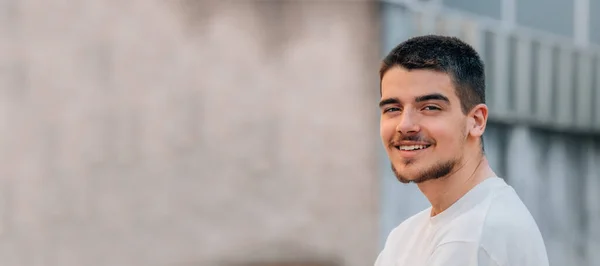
x: 188, y: 132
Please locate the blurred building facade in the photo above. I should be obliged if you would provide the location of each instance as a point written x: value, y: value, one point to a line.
x: 542, y: 66
x: 246, y: 132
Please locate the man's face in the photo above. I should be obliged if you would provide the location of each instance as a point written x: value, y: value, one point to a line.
x: 422, y: 125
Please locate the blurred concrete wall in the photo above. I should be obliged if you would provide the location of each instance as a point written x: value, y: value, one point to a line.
x: 188, y: 132
x: 558, y: 177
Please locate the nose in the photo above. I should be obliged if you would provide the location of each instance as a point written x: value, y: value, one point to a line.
x: 407, y: 124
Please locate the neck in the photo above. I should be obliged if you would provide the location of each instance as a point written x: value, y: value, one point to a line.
x: 445, y: 191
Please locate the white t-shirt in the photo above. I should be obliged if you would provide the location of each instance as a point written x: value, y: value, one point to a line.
x: 488, y: 226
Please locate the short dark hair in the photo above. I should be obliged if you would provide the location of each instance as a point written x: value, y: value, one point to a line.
x: 445, y: 54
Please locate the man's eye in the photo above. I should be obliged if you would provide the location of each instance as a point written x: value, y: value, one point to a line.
x: 431, y: 107
x: 391, y: 109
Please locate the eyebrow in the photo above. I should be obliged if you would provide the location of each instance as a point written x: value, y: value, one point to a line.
x: 432, y: 97
x: 424, y: 98
x: 388, y: 101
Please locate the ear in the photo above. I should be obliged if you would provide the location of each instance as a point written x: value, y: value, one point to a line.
x: 477, y: 120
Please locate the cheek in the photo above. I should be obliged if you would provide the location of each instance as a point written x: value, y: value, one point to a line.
x: 446, y: 134
x: 387, y: 129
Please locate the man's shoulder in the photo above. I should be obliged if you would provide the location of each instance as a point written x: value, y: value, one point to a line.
x: 507, y: 213
x: 510, y: 232
x: 399, y: 239
x: 418, y: 217
x: 410, y: 222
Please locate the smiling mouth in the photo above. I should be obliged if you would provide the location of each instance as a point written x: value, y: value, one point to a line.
x: 412, y: 147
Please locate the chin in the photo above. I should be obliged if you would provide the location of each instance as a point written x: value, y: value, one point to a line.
x: 403, y: 180
x: 405, y: 173
x: 418, y: 171
x: 411, y: 164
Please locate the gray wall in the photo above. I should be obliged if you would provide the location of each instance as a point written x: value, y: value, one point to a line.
x: 488, y: 8
x: 554, y: 16
x: 595, y: 21
x: 558, y: 177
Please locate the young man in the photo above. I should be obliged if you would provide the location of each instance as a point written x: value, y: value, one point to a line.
x: 433, y: 115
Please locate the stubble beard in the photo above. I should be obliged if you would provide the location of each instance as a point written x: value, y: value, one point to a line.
x: 436, y: 171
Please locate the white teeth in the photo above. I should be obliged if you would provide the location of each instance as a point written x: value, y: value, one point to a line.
x: 412, y: 147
